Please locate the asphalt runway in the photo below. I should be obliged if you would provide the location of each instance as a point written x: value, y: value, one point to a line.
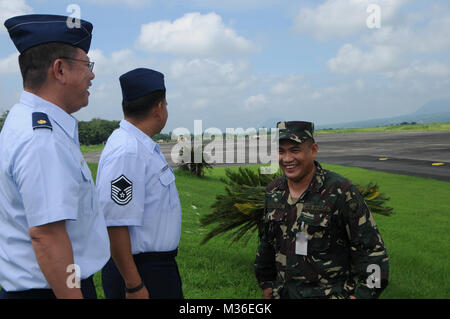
x: 407, y: 153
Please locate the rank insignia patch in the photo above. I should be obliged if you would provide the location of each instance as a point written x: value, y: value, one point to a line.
x: 121, y: 190
x: 40, y: 120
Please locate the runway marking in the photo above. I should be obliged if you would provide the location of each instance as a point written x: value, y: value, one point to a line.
x: 438, y: 164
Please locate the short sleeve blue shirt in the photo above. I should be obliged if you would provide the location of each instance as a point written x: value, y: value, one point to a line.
x: 136, y: 188
x: 43, y: 179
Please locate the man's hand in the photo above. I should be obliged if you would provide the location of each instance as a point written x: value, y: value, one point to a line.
x: 267, y: 293
x: 140, y: 294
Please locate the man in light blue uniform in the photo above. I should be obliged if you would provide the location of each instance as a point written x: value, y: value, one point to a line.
x: 52, y: 236
x: 138, y: 196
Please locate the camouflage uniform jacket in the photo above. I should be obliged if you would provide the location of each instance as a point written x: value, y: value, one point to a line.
x: 343, y: 240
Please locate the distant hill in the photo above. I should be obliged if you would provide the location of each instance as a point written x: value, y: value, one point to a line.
x: 431, y: 112
x: 435, y: 107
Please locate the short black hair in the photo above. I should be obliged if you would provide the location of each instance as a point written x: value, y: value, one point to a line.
x: 143, y: 105
x: 34, y: 62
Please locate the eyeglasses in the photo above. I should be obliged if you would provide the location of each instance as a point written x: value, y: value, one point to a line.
x: 90, y: 64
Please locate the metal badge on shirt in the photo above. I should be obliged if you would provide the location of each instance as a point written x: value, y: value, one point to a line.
x: 121, y: 190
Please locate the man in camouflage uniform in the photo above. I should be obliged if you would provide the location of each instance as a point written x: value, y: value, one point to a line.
x: 319, y: 238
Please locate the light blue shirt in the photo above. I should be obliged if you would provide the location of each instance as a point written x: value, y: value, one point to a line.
x: 44, y: 179
x: 136, y: 188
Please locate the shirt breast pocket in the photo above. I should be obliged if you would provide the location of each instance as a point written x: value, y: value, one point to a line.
x: 316, y: 221
x: 167, y: 180
x: 86, y: 191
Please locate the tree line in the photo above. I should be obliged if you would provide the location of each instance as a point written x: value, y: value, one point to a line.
x: 95, y: 131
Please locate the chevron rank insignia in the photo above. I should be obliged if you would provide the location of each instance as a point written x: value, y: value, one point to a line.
x: 121, y: 190
x: 40, y: 120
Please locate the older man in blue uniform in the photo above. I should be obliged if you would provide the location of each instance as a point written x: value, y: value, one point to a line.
x: 52, y: 236
x: 138, y: 196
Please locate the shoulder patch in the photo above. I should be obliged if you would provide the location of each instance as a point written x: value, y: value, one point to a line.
x: 40, y: 120
x: 121, y: 190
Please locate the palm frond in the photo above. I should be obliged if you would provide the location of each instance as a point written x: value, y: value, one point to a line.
x: 239, y: 212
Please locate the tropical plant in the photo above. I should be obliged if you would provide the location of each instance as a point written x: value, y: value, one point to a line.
x: 196, y: 168
x: 239, y: 212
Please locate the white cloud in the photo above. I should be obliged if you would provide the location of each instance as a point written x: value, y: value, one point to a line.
x: 394, y: 48
x: 194, y: 34
x: 290, y: 84
x: 209, y: 72
x: 340, y: 18
x: 255, y: 102
x: 10, y: 9
x: 416, y: 69
x: 351, y: 59
x: 130, y: 3
x: 10, y: 64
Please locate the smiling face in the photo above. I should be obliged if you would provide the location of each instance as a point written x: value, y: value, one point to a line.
x: 297, y: 160
x: 79, y: 81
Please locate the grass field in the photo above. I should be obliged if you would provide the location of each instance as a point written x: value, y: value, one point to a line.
x: 416, y: 237
x: 393, y: 128
x: 91, y: 148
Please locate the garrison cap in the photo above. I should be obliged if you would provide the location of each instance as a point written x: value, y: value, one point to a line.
x: 296, y: 131
x: 31, y: 30
x: 140, y: 82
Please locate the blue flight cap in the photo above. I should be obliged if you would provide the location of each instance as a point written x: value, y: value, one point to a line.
x: 31, y: 30
x: 140, y: 82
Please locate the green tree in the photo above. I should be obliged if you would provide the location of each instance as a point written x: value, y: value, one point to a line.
x: 96, y: 131
x: 2, y: 119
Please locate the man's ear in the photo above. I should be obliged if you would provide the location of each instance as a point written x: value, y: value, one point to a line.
x: 58, y: 70
x: 158, y: 109
x: 315, y: 149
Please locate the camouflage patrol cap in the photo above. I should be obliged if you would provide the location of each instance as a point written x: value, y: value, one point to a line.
x: 296, y: 131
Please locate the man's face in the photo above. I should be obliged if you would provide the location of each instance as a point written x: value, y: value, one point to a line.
x: 79, y: 81
x: 296, y: 160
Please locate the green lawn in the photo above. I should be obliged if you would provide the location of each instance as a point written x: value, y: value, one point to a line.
x: 416, y: 238
x: 394, y: 128
x: 91, y: 148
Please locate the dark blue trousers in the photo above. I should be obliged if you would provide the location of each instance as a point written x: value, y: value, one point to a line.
x: 87, y: 289
x: 159, y: 272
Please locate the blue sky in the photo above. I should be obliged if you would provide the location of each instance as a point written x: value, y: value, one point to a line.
x: 249, y: 62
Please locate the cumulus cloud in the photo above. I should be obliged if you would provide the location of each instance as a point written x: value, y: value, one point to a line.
x: 341, y: 18
x: 10, y: 9
x: 396, y: 49
x: 351, y: 59
x: 194, y: 34
x: 255, y: 102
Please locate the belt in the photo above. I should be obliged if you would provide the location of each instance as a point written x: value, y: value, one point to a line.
x: 155, y: 256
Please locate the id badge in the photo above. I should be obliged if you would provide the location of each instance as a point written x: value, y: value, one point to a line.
x: 301, y: 242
